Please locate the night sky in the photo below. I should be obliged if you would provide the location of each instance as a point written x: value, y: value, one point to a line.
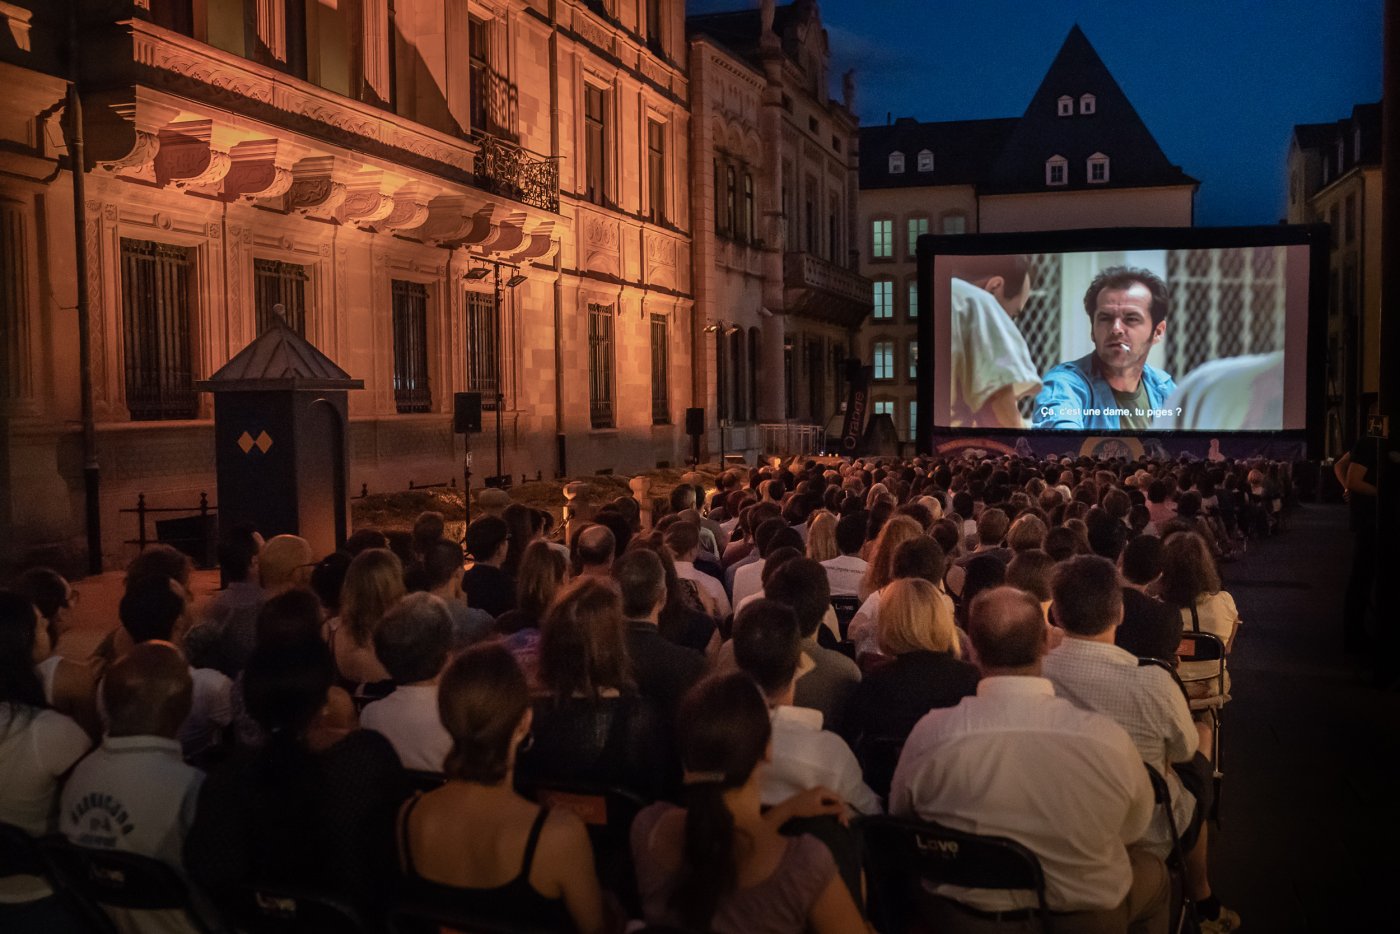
x: 1220, y: 84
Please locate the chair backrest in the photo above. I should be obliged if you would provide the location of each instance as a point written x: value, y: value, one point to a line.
x: 846, y: 608
x: 1200, y: 647
x: 897, y: 850
x: 274, y: 909
x: 116, y: 879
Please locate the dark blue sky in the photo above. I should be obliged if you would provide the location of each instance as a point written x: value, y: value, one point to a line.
x: 1220, y: 84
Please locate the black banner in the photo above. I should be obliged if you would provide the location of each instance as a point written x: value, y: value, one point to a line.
x: 856, y: 405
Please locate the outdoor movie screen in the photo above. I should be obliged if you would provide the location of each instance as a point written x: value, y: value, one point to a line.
x: 1122, y: 340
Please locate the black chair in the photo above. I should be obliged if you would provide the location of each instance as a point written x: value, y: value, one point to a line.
x: 282, y: 909
x: 902, y: 854
x: 878, y: 756
x: 102, y: 879
x: 607, y: 812
x: 1208, y: 647
x: 846, y: 608
x: 1170, y: 669
x: 1183, y: 908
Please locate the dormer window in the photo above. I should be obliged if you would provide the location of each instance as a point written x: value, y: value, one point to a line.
x: 926, y: 160
x: 1098, y: 169
x: 896, y: 163
x: 1065, y: 106
x: 1056, y: 170
x: 1087, y: 103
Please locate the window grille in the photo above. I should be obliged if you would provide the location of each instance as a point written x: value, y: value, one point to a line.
x: 600, y: 366
x: 157, y: 306
x: 410, y: 312
x: 277, y: 283
x: 483, y: 347
x: 660, y: 372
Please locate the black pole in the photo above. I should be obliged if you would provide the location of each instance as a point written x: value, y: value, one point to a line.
x: 92, y: 474
x: 500, y: 375
x: 1388, y: 473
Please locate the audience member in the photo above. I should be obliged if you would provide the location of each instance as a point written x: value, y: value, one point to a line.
x: 845, y: 572
x: 70, y: 686
x: 487, y: 586
x: 286, y: 561
x: 373, y: 584
x: 412, y: 642
x: 591, y: 725
x: 826, y: 684
x: 223, y: 639
x: 767, y: 647
x: 595, y: 547
x: 134, y: 793
x: 38, y: 746
x: 1191, y: 583
x: 1150, y: 628
x: 475, y: 844
x: 1093, y: 673
x: 721, y: 865
x: 1018, y: 762
x: 442, y: 577
x: 821, y: 537
x: 683, y: 540
x: 542, y: 573
x: 663, y: 669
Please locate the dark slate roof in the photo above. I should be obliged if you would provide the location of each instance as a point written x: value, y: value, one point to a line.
x: 1323, y: 138
x: 1114, y: 129
x: 962, y: 150
x: 279, y: 358
x: 1313, y: 135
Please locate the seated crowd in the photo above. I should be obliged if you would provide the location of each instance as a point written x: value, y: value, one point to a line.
x: 989, y: 645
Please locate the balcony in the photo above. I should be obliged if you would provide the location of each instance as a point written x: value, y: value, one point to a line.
x: 817, y: 288
x: 506, y: 169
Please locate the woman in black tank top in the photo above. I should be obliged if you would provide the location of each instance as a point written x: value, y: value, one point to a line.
x: 449, y: 838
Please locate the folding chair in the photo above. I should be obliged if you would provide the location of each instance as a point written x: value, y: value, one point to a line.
x: 901, y: 854
x: 607, y: 811
x: 112, y: 879
x: 846, y: 608
x: 1170, y: 669
x: 1207, y: 647
x: 1183, y: 908
x: 282, y: 909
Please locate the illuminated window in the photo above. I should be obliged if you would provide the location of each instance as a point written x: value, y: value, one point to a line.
x: 883, y: 353
x: 918, y: 226
x: 884, y: 300
x: 955, y: 223
x: 882, y: 239
x: 913, y: 360
x: 1098, y: 168
x: 913, y: 418
x: 913, y: 299
x: 884, y: 407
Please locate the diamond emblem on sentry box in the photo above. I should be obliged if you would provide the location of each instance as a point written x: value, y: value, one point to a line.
x: 264, y: 442
x: 245, y: 441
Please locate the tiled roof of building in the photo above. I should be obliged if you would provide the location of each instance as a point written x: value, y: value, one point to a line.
x: 738, y: 30
x: 961, y: 149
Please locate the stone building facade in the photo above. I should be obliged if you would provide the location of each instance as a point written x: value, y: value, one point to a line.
x: 444, y: 196
x: 773, y: 198
x: 1334, y: 177
x: 1079, y: 157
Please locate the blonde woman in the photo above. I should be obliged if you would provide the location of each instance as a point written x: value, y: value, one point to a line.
x: 373, y: 583
x: 821, y: 536
x: 915, y: 629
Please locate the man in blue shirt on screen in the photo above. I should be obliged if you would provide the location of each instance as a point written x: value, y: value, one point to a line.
x: 1112, y: 388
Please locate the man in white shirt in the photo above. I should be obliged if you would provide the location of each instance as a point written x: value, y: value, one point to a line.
x: 845, y: 572
x: 748, y: 579
x: 683, y: 538
x: 1093, y: 673
x: 1016, y: 761
x: 767, y: 648
x: 135, y: 793
x: 154, y: 609
x: 412, y: 642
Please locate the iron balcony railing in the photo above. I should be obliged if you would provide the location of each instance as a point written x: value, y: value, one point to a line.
x: 504, y: 168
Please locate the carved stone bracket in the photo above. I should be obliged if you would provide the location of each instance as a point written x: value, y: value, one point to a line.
x: 190, y: 156
x: 261, y: 168
x: 366, y: 202
x: 540, y: 243
x: 506, y: 236
x: 449, y: 224
x: 123, y: 133
x: 317, y: 189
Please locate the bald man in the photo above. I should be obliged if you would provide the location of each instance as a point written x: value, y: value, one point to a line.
x: 135, y: 793
x: 594, y: 549
x: 1017, y: 761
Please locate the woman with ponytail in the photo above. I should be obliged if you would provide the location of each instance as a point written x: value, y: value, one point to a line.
x: 474, y: 843
x: 721, y: 865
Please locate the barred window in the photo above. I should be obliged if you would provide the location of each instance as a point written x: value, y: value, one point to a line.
x: 483, y: 348
x: 157, y: 313
x: 600, y: 366
x: 410, y: 312
x: 276, y: 283
x: 660, y: 372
